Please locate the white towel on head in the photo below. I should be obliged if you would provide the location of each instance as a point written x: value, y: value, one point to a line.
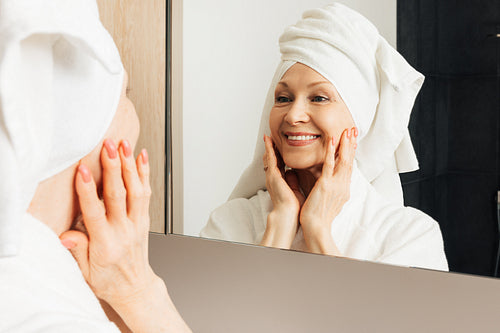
x: 376, y: 83
x: 60, y: 82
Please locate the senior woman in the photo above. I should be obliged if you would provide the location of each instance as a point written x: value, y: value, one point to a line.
x: 333, y: 138
x: 63, y: 111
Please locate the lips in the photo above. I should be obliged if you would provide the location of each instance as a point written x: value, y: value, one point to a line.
x: 300, y: 138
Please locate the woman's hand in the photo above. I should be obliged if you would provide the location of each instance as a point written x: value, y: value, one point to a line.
x: 114, y: 256
x: 283, y: 187
x: 329, y: 194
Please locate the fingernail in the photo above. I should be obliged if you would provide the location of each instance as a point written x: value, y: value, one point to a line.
x: 349, y: 133
x: 69, y: 244
x: 264, y: 138
x: 110, y: 148
x: 355, y: 145
x: 356, y: 132
x: 333, y: 142
x: 145, y: 157
x: 85, y: 173
x: 127, y: 150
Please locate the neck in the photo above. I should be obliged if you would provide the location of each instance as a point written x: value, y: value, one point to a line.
x: 55, y: 201
x: 307, y: 178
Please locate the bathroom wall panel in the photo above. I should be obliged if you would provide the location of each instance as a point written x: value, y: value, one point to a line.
x: 449, y: 37
x: 427, y: 195
x: 417, y: 33
x: 427, y: 36
x: 411, y: 192
x: 471, y: 230
x: 464, y: 207
x: 463, y: 46
x: 139, y: 31
x: 473, y: 124
x: 456, y: 118
x: 408, y: 19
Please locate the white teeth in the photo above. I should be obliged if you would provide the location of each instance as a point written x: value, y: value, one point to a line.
x: 302, y: 137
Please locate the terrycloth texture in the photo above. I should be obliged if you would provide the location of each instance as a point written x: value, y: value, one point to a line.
x: 368, y: 228
x: 43, y: 290
x: 60, y: 83
x: 376, y: 83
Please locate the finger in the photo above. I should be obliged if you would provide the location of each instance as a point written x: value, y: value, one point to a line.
x: 93, y: 213
x: 78, y: 244
x: 143, y: 167
x: 329, y: 164
x: 135, y: 190
x: 347, y: 149
x: 142, y: 164
x: 270, y: 164
x: 114, y: 193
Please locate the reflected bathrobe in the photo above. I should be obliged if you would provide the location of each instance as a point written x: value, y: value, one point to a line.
x: 369, y: 227
x: 43, y: 290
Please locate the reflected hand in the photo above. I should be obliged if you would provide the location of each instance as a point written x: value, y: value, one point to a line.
x: 283, y: 187
x: 329, y: 194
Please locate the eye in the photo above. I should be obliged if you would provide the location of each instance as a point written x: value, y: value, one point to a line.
x: 283, y: 99
x: 319, y: 99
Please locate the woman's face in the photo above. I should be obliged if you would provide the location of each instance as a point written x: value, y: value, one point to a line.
x: 124, y: 126
x: 308, y: 111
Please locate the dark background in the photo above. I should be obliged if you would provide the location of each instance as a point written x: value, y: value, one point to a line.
x: 455, y: 123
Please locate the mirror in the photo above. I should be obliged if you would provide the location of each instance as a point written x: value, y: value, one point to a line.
x: 224, y: 54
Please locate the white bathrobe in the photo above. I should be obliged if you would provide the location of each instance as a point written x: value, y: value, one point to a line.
x: 43, y: 290
x: 369, y: 227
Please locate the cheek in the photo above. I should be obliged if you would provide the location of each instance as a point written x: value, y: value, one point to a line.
x: 128, y: 124
x: 334, y: 123
x: 329, y: 125
x: 134, y: 124
x: 275, y: 120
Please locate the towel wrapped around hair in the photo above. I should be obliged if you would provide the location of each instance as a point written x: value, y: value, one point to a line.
x: 379, y: 88
x: 61, y: 79
x: 60, y: 82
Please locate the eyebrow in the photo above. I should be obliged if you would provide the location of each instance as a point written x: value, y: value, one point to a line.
x: 317, y: 83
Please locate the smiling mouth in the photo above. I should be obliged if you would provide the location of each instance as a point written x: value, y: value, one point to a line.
x: 300, y: 139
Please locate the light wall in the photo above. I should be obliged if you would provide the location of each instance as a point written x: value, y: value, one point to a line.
x: 139, y: 31
x: 230, y: 52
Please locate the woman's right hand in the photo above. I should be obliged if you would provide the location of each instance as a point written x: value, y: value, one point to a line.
x: 113, y: 257
x: 283, y: 187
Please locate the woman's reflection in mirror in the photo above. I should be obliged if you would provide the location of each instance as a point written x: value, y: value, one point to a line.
x: 325, y: 176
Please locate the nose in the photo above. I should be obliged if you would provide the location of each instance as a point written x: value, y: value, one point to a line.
x: 297, y: 113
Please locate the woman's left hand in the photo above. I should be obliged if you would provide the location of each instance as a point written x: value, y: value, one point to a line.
x: 329, y: 194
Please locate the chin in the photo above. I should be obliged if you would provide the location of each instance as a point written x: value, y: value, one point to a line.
x: 301, y: 163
